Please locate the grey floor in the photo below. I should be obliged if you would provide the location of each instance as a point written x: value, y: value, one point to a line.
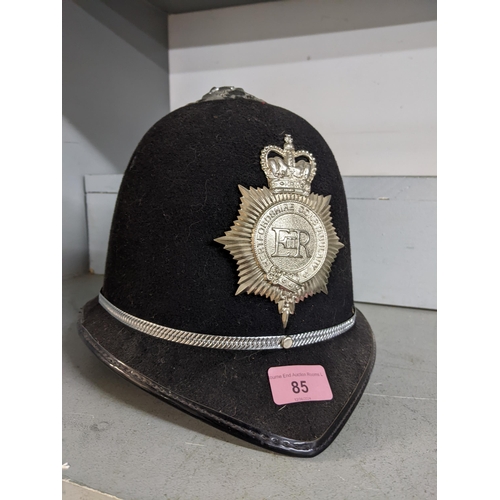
x: 120, y: 440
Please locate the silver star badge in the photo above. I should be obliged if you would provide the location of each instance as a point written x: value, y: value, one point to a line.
x: 283, y: 239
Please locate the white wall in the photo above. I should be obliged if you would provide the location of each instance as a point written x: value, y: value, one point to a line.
x: 115, y: 86
x: 362, y: 72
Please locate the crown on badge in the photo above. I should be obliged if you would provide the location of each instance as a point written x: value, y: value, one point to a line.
x: 284, y: 173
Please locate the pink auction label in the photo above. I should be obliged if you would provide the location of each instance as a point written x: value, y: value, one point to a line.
x: 299, y: 383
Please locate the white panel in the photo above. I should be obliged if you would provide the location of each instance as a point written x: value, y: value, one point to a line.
x: 370, y: 92
x: 393, y: 240
x: 103, y: 183
x: 100, y: 207
x: 79, y: 155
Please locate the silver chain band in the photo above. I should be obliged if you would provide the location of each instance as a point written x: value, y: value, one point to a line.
x: 221, y: 342
x: 227, y: 93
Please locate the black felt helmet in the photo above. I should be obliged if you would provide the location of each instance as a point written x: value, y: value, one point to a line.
x: 228, y: 286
